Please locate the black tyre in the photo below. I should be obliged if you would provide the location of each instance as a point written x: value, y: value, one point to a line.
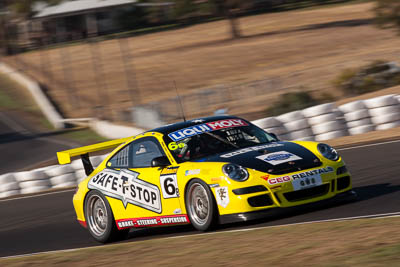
x: 200, y: 205
x: 100, y: 220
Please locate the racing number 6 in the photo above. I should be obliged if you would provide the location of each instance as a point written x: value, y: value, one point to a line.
x: 169, y: 186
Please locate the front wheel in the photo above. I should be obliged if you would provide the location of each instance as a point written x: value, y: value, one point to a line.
x: 100, y: 220
x: 200, y: 205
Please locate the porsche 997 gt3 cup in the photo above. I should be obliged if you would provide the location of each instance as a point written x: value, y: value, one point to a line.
x: 207, y: 171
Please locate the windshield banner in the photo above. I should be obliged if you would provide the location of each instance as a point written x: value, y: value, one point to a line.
x: 206, y: 127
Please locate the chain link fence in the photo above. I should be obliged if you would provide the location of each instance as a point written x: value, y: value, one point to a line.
x: 78, y: 77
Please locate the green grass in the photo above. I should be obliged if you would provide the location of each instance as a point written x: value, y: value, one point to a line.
x: 84, y: 136
x: 6, y: 102
x: 290, y: 102
x: 15, y: 98
x: 9, y: 96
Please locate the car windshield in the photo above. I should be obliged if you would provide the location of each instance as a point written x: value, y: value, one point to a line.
x: 216, y: 137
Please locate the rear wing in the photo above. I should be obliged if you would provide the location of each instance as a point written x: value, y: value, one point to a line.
x: 64, y: 157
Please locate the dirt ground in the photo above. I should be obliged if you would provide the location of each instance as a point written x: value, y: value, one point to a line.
x: 298, y: 50
x: 368, y: 242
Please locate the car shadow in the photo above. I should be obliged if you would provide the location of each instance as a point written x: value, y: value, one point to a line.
x: 377, y: 190
x: 363, y: 193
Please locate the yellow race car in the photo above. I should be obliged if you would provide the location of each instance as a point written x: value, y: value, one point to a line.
x: 206, y: 171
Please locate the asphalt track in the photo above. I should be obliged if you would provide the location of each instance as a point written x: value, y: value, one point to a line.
x: 47, y: 222
x: 21, y: 147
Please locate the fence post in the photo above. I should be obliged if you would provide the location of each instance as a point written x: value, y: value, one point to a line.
x: 69, y: 77
x: 129, y: 69
x: 45, y: 63
x: 103, y: 103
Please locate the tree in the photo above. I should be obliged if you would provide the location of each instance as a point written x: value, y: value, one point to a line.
x: 229, y: 9
x: 184, y: 9
x: 25, y: 7
x: 388, y: 14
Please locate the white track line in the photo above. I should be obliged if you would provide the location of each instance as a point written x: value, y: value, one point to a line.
x: 368, y: 145
x: 39, y: 195
x: 373, y: 216
x: 44, y: 252
x: 12, y: 124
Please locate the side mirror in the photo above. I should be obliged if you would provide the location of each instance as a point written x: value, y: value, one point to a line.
x: 274, y: 136
x: 162, y: 161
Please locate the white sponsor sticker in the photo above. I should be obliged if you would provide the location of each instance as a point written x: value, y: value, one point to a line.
x: 146, y: 222
x: 301, y: 180
x: 169, y: 186
x: 305, y: 174
x: 126, y: 186
x: 172, y: 220
x: 177, y: 211
x: 249, y: 149
x: 307, y: 182
x: 280, y: 157
x: 123, y: 224
x: 192, y: 172
x: 222, y: 196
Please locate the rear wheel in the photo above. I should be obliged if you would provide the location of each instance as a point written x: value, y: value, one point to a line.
x: 200, y: 205
x: 100, y: 220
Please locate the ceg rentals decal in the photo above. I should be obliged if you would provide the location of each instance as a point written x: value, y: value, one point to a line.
x: 206, y: 127
x: 299, y: 176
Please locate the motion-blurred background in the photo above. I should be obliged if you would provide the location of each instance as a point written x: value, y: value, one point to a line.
x: 118, y: 59
x: 115, y: 63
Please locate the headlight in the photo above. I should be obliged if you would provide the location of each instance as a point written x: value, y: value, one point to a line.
x: 235, y: 172
x: 328, y: 152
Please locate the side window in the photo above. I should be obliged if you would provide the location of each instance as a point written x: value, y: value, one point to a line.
x: 121, y: 159
x: 143, y: 151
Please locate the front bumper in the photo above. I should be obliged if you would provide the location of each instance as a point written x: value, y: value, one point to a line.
x: 259, y: 194
x: 349, y: 195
